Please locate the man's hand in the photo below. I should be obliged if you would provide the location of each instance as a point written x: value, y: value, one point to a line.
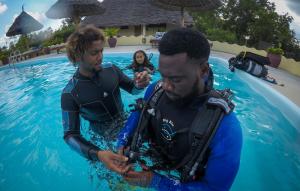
x: 141, y: 79
x: 142, y: 178
x: 121, y: 150
x: 114, y: 162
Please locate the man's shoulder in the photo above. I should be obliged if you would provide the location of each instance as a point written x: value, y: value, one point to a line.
x: 155, y: 85
x: 108, y: 65
x: 230, y: 125
x: 228, y: 135
x: 230, y: 118
x: 70, y: 85
x: 110, y: 68
x: 151, y: 88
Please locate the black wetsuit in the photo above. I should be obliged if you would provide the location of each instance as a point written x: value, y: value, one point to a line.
x: 97, y: 100
x: 141, y: 67
x: 170, y: 131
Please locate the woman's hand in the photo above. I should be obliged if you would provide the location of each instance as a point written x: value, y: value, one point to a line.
x: 141, y: 79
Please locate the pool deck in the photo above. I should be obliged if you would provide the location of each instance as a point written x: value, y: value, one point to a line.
x: 291, y: 87
x: 290, y: 82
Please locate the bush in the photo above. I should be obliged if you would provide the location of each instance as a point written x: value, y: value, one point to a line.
x: 59, y: 36
x: 110, y: 32
x: 220, y: 35
x: 277, y: 51
x: 4, y: 56
x: 23, y: 43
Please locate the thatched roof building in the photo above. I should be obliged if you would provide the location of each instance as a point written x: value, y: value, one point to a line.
x: 182, y: 5
x: 191, y: 5
x: 136, y: 13
x: 23, y: 24
x: 74, y: 9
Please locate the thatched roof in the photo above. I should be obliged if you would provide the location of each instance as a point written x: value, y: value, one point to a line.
x: 183, y: 5
x: 74, y: 8
x: 24, y: 24
x: 133, y: 12
x: 193, y: 5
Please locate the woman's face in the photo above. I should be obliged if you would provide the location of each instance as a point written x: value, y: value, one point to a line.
x: 139, y: 57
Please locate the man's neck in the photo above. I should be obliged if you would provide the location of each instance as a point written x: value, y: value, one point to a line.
x: 86, y: 73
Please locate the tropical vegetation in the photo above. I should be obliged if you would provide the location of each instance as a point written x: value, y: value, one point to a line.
x: 255, y: 19
x: 40, y: 40
x: 111, y: 31
x: 277, y: 51
x: 60, y: 36
x: 4, y: 54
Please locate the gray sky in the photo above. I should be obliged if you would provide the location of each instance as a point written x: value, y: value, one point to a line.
x: 293, y: 8
x: 294, y: 5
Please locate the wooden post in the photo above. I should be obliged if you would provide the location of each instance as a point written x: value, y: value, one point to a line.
x: 182, y: 16
x: 144, y: 33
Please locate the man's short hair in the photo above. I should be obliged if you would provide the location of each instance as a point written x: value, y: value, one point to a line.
x: 80, y: 40
x: 181, y: 40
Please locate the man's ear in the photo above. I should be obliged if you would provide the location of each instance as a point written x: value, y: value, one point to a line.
x: 204, y: 68
x: 77, y: 59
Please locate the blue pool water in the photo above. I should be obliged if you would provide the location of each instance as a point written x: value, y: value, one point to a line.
x: 33, y: 155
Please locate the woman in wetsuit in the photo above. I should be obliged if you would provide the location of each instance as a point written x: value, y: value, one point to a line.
x: 141, y: 63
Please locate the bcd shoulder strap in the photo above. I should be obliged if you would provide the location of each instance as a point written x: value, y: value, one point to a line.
x: 203, y: 129
x: 146, y: 110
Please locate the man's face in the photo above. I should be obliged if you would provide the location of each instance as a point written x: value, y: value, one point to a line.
x: 92, y: 58
x: 181, y: 78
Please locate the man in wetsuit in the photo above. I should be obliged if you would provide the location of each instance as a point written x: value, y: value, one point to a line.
x: 93, y: 93
x: 178, y: 109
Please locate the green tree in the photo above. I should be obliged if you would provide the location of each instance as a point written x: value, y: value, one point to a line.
x: 257, y: 19
x: 23, y: 43
x: 210, y: 23
x: 36, y: 39
x: 12, y: 47
x: 4, y: 54
x: 60, y: 35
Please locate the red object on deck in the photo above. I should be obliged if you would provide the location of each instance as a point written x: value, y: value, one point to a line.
x: 275, y: 59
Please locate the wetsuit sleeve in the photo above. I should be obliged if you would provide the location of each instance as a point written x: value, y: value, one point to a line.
x: 223, y: 162
x: 125, y: 82
x: 71, y: 125
x: 127, y: 132
x: 151, y: 67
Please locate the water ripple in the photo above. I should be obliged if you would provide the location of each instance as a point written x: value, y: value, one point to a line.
x: 32, y: 144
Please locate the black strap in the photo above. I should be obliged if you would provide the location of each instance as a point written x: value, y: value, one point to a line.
x: 198, y: 130
x: 202, y: 131
x: 145, y: 117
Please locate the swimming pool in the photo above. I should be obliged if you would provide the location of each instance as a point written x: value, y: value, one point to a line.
x: 33, y: 155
